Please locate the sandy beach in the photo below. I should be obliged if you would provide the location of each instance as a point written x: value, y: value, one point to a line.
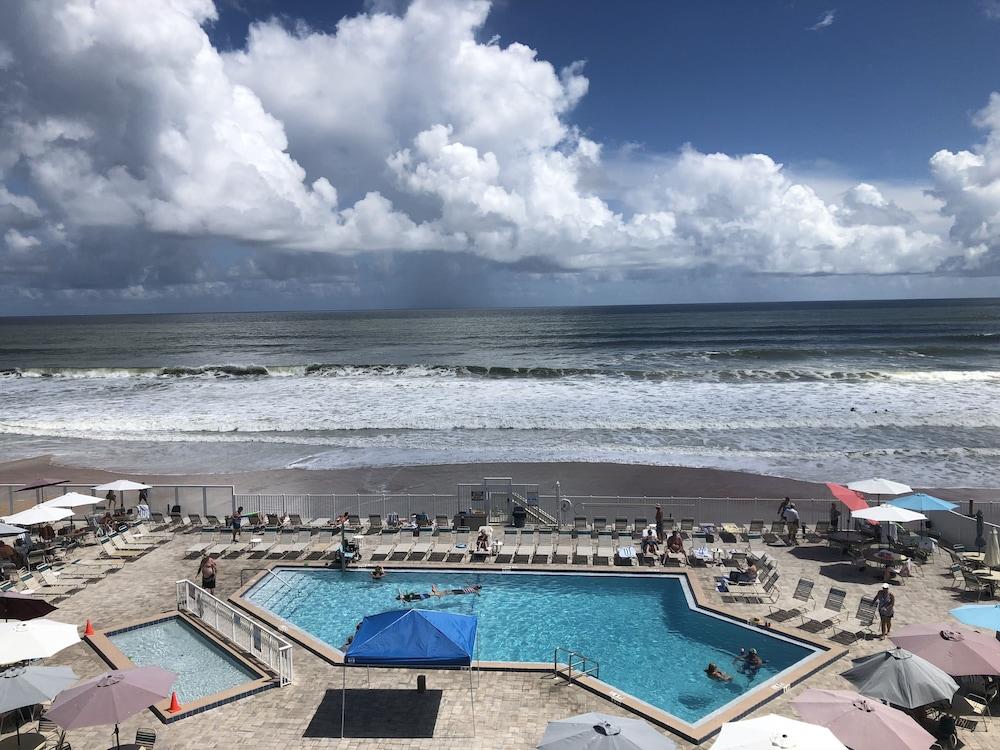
x: 574, y: 479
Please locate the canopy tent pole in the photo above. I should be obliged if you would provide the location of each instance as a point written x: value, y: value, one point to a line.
x: 472, y: 701
x: 343, y: 700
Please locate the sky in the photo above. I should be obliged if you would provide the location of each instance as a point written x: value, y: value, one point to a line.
x: 185, y: 155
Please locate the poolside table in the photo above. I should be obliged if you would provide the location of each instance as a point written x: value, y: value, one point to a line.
x: 29, y: 741
x: 974, y: 556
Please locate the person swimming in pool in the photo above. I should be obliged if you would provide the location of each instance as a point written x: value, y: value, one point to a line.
x: 750, y: 662
x: 378, y: 573
x: 415, y: 596
x: 714, y: 673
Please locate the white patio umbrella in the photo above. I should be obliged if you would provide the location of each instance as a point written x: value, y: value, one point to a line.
x: 773, y: 732
x: 888, y: 513
x: 121, y: 485
x: 26, y: 686
x: 992, y: 554
x: 34, y: 639
x: 879, y: 486
x: 38, y: 514
x: 71, y: 500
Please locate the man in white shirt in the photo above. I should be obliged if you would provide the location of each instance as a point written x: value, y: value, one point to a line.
x: 791, y: 516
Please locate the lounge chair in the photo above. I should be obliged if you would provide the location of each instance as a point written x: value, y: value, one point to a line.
x: 584, y: 552
x: 212, y: 521
x: 46, y: 582
x: 687, y: 528
x: 318, y: 543
x: 353, y: 523
x: 75, y: 573
x: 819, y: 532
x: 605, y: 552
x: 544, y: 549
x: 865, y: 617
x: 318, y: 523
x: 509, y: 547
x: 580, y: 524
x: 133, y: 541
x: 756, y: 530
x: 621, y: 525
x: 639, y: 524
x: 294, y: 519
x: 221, y: 545
x: 26, y: 584
x: 458, y: 553
x: 421, y: 547
x: 374, y: 523
x: 119, y: 543
x: 668, y: 526
x: 442, y: 523
x: 267, y: 541
x: 300, y: 544
x: 286, y: 538
x: 832, y: 611
x: 777, y: 536
x: 195, y: 520
x: 525, y: 548
x: 625, y: 555
x: 730, y: 533
x: 145, y: 737
x: 142, y: 531
x: 402, y: 548
x: 444, y: 540
x: 563, y: 554
x: 796, y: 604
x: 383, y: 549
x: 600, y: 524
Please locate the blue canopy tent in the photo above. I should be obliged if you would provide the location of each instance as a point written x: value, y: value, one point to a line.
x: 412, y: 638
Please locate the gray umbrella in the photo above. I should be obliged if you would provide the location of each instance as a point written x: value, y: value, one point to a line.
x: 26, y: 686
x: 900, y: 678
x: 7, y: 530
x: 595, y: 731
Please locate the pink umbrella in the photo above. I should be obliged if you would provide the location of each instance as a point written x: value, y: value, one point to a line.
x: 957, y: 651
x: 862, y: 723
x: 110, y: 698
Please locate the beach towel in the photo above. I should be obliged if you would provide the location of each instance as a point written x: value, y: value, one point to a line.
x: 626, y: 553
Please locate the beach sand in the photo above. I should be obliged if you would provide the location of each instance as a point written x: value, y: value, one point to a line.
x: 574, y: 478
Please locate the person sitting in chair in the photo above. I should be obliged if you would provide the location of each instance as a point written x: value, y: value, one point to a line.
x: 676, y: 542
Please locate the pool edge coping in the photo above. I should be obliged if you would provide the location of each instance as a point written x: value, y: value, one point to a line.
x: 826, y: 652
x: 114, y: 657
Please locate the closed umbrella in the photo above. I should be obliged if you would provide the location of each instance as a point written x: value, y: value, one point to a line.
x: 37, y: 484
x: 34, y: 639
x: 17, y: 606
x: 110, y: 698
x: 862, y: 723
x: 980, y: 539
x: 26, y: 686
x: 596, y: 731
x: 992, y: 557
x: 958, y: 651
x: 978, y: 615
x: 901, y: 679
x: 878, y: 487
x: 773, y: 732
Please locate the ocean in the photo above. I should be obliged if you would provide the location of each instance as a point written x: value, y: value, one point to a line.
x: 816, y: 391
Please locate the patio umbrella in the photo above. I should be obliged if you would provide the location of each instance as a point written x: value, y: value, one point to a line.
x: 596, y: 731
x: 978, y: 615
x: 121, y: 485
x: 773, y: 732
x: 862, y: 723
x: 992, y: 557
x: 34, y: 639
x: 8, y: 530
x: 922, y: 503
x: 71, y: 500
x: 958, y: 651
x: 879, y: 487
x: 26, y: 686
x: 850, y: 498
x: 980, y: 539
x: 110, y: 698
x: 38, y: 514
x: 901, y: 679
x: 889, y: 513
x: 17, y: 606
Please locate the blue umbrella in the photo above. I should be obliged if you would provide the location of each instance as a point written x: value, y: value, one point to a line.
x: 978, y: 615
x: 922, y: 503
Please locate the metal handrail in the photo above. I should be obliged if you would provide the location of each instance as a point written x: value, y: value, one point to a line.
x: 581, y: 661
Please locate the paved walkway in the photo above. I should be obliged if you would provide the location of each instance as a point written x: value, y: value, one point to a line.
x: 511, y: 708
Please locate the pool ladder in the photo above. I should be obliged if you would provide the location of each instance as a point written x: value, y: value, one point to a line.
x: 575, y: 665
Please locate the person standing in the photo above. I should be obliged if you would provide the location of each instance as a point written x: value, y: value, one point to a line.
x: 208, y: 568
x: 834, y: 517
x: 781, y: 508
x: 236, y: 521
x: 791, y: 516
x: 885, y: 601
x: 659, y: 521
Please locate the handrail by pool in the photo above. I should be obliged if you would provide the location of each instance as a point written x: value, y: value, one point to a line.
x: 245, y: 633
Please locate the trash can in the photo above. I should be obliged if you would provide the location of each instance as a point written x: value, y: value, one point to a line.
x: 520, y: 515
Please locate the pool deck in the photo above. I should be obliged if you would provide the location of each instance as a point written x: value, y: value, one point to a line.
x: 512, y: 707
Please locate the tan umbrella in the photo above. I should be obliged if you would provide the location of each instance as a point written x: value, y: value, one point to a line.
x: 991, y: 558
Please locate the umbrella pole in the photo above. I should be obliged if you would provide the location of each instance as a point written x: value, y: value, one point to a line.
x: 118, y: 742
x: 343, y: 701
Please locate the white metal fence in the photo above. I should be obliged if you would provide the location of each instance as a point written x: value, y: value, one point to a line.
x: 192, y: 498
x: 238, y: 628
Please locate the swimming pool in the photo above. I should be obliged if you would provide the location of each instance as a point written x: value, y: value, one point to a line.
x: 203, y: 668
x: 643, y: 630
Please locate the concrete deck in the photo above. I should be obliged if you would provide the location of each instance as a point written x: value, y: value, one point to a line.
x: 511, y: 709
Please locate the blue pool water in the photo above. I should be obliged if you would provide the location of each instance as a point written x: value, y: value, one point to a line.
x: 203, y: 668
x: 648, y: 641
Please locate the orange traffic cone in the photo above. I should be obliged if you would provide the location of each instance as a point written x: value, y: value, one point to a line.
x: 89, y: 629
x: 175, y: 705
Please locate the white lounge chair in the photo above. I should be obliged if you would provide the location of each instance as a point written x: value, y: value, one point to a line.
x: 206, y: 540
x: 420, y: 548
x: 509, y: 547
x: 544, y: 549
x: 584, y: 552
x: 564, y: 549
x: 267, y: 541
x: 300, y: 545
